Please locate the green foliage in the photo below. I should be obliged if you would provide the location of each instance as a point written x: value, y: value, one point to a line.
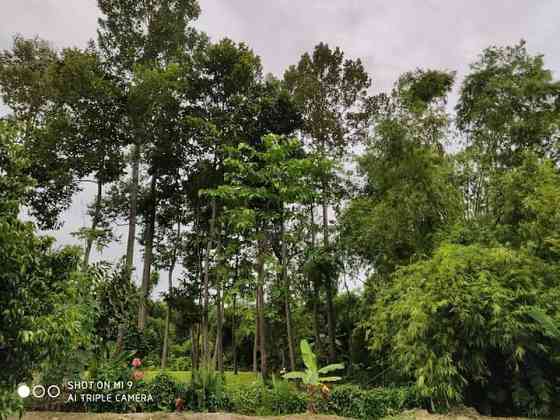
x: 354, y: 402
x: 548, y: 324
x: 312, y: 374
x: 411, y: 192
x: 509, y: 105
x: 164, y: 391
x: 311, y: 377
x: 421, y: 88
x: 322, y: 265
x: 262, y: 400
x: 331, y: 91
x: 10, y: 403
x: 460, y: 321
x: 131, y: 32
x: 14, y: 181
x: 207, y: 391
x: 47, y: 302
x: 523, y: 203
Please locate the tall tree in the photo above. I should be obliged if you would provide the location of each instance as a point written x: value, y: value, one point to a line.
x: 26, y: 85
x: 260, y: 180
x: 229, y: 74
x: 332, y: 92
x: 93, y: 106
x: 410, y: 192
x: 149, y: 34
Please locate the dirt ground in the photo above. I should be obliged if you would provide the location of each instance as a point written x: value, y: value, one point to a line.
x: 461, y: 414
x: 456, y: 414
x: 44, y: 415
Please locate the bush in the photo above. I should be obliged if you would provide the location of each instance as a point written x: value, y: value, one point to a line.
x: 247, y: 399
x: 460, y: 324
x: 207, y: 391
x: 10, y: 403
x: 375, y: 403
x: 259, y: 399
x: 180, y: 363
x: 284, y: 398
x: 164, y: 392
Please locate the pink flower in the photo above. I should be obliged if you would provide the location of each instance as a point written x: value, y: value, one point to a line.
x: 136, y: 362
x: 138, y: 375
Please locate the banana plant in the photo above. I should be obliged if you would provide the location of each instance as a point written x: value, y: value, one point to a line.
x: 311, y: 376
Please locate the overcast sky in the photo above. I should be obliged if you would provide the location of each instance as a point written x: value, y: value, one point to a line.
x: 391, y: 37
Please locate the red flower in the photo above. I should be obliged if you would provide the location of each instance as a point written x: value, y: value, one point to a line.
x: 136, y: 362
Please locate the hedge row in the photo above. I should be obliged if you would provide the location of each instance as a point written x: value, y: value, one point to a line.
x: 355, y: 402
x: 280, y: 398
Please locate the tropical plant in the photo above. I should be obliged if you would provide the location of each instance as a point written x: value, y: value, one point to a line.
x: 311, y: 377
x: 208, y: 389
x: 549, y: 326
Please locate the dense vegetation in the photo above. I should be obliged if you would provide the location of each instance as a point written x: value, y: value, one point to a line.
x: 417, y: 244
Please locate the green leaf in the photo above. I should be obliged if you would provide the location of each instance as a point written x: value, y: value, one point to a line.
x: 330, y: 379
x: 308, y: 357
x: 330, y: 368
x: 294, y: 375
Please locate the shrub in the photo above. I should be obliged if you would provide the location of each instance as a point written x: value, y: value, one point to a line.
x: 460, y: 324
x: 164, y: 392
x: 181, y: 363
x: 283, y: 398
x: 375, y: 403
x: 247, y: 399
x: 10, y: 403
x: 311, y: 377
x: 262, y: 400
x: 207, y: 391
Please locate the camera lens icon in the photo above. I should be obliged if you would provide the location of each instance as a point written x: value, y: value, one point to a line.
x: 23, y: 390
x: 39, y: 391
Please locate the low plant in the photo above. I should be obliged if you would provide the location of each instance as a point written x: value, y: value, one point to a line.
x: 284, y: 398
x: 10, y: 403
x: 207, y: 390
x: 375, y: 403
x: 262, y: 400
x: 164, y: 392
x: 311, y: 377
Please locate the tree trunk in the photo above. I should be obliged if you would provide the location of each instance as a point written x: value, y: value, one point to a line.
x: 170, y: 290
x: 215, y: 353
x: 148, y: 253
x: 331, y: 323
x: 219, y: 329
x: 256, y: 341
x: 233, y: 335
x: 120, y: 338
x: 329, y: 286
x: 350, y: 343
x: 131, y: 240
x: 94, y: 223
x: 194, y: 346
x: 260, y: 309
x: 287, y: 309
x: 316, y: 294
x: 132, y: 214
x: 166, y: 335
x: 206, y: 295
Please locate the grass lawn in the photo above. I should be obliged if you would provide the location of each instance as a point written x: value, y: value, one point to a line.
x: 185, y: 376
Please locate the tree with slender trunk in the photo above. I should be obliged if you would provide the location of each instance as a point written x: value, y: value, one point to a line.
x: 287, y: 293
x: 206, y: 287
x: 173, y: 262
x: 332, y: 92
x: 149, y: 35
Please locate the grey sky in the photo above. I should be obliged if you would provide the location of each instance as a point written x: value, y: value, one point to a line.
x: 390, y: 36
